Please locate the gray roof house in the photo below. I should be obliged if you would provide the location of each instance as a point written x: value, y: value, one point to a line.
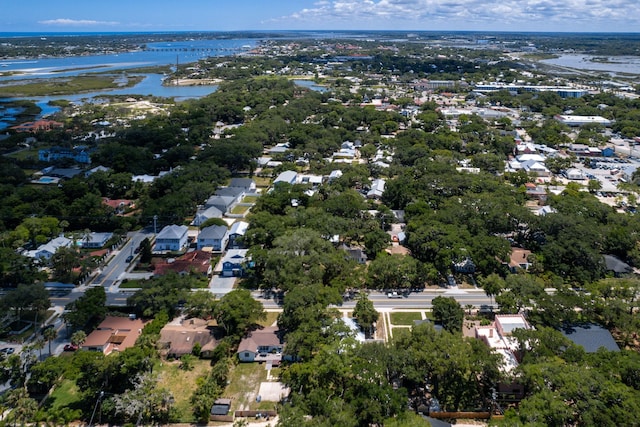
x: 172, y: 238
x: 47, y: 250
x: 204, y: 214
x: 287, y: 176
x: 591, y: 337
x: 215, y: 236
x: 96, y: 240
x: 246, y: 183
x: 222, y: 203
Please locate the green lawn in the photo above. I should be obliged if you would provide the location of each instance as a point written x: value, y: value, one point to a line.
x: 272, y: 316
x: 404, y: 318
x: 65, y: 395
x: 249, y: 199
x: 239, y: 209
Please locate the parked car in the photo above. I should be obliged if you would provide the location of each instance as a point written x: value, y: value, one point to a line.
x: 70, y: 347
x: 129, y: 259
x: 7, y: 351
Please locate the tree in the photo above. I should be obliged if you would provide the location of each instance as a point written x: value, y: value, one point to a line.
x: 447, y: 311
x: 78, y: 338
x: 238, y: 312
x: 392, y: 272
x: 23, y: 407
x: 492, y: 285
x: 145, y: 402
x: 49, y: 335
x: 90, y: 308
x: 63, y: 262
x: 145, y: 251
x: 594, y: 185
x: 33, y: 298
x: 200, y: 304
x: 365, y: 314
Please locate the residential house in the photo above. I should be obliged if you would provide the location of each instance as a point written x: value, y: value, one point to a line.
x: 591, y: 337
x: 62, y: 173
x: 355, y: 253
x: 206, y: 214
x: 574, y: 174
x: 79, y: 154
x: 377, y: 189
x: 225, y: 198
x: 465, y: 266
x: 198, y: 262
x: 114, y: 334
x: 261, y: 345
x: 222, y: 203
x: 96, y: 240
x: 233, y: 263
x: 615, y: 265
x: 246, y: 184
x: 518, y: 260
x: 49, y: 249
x: 289, y: 177
x: 119, y: 205
x: 215, y: 236
x: 172, y: 238
x: 499, y: 337
x: 178, y: 337
x: 236, y: 233
x: 38, y: 126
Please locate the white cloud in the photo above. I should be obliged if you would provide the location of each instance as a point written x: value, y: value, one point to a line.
x: 76, y: 22
x: 566, y: 15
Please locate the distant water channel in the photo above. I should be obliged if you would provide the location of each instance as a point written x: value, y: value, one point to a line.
x: 614, y: 64
x: 156, y: 54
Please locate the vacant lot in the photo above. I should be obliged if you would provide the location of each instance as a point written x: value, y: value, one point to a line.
x: 404, y: 318
x: 181, y: 383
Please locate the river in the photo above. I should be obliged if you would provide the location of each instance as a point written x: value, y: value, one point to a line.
x: 156, y: 54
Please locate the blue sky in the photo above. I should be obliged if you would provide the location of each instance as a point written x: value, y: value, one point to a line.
x: 416, y: 15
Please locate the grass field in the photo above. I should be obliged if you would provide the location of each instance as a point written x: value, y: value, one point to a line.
x: 245, y: 379
x: 66, y: 395
x: 181, y: 384
x: 404, y: 318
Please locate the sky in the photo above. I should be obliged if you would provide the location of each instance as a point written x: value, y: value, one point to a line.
x: 242, y: 15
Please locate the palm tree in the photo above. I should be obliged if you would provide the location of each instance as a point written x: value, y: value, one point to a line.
x: 49, y: 335
x: 78, y: 338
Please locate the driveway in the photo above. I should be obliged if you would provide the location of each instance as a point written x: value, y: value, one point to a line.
x: 221, y: 285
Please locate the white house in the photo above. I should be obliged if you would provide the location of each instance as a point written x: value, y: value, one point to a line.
x: 47, y: 250
x: 238, y: 229
x: 172, y: 238
x: 261, y: 345
x: 377, y: 189
x: 215, y: 236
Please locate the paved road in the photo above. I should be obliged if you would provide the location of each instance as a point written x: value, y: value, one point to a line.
x: 117, y: 265
x: 475, y: 297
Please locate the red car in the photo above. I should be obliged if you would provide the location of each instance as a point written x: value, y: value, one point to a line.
x: 70, y: 347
